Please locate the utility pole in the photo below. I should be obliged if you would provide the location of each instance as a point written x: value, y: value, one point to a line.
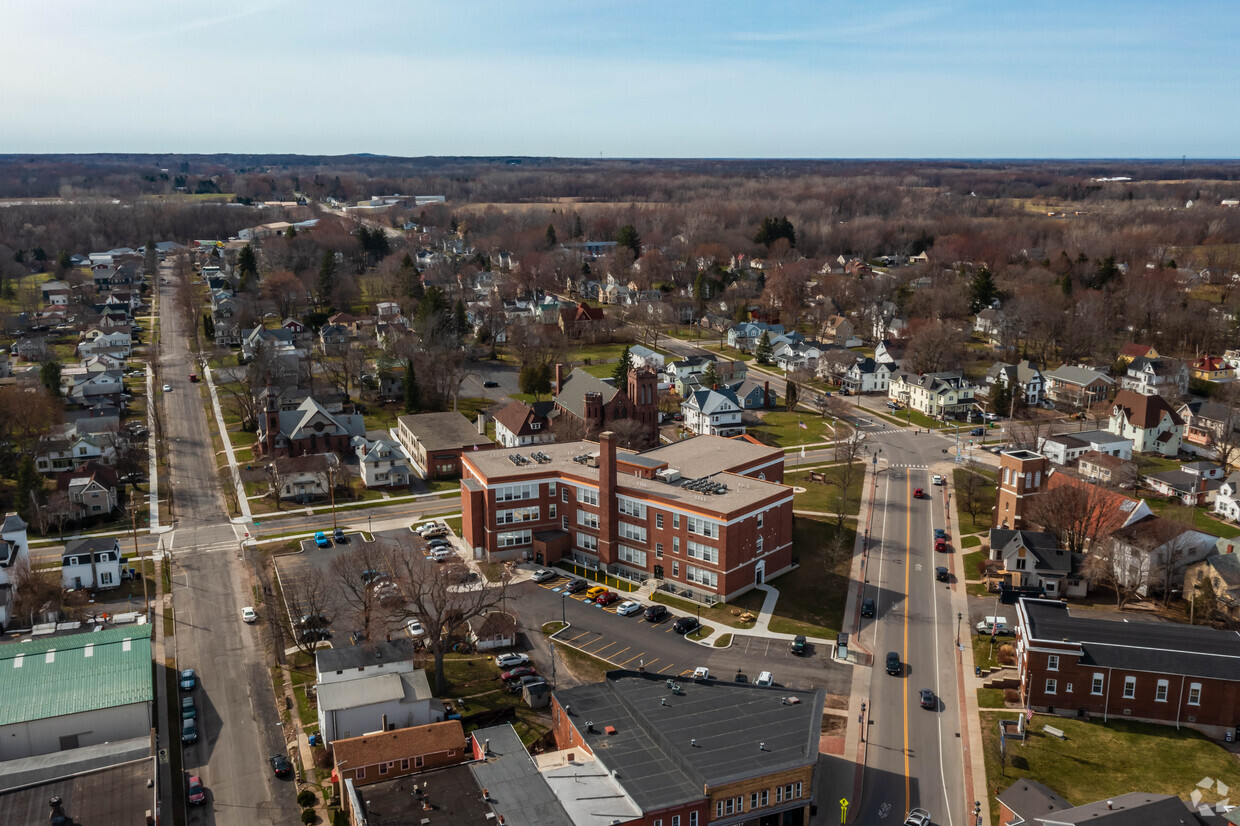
x: 133, y: 519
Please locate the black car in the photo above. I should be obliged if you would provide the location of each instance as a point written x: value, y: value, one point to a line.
x: 798, y: 646
x: 576, y: 586
x: 338, y: 535
x: 280, y: 765
x: 894, y: 666
x: 978, y: 431
x: 314, y: 634
x: 867, y: 607
x: 686, y: 625
x: 490, y: 384
x: 655, y: 613
x: 927, y: 698
x: 940, y: 573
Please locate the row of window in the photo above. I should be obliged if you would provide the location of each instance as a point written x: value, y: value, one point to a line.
x: 590, y: 520
x: 693, y: 820
x: 512, y: 493
x: 703, y: 552
x: 1161, y: 688
x: 631, y: 507
x: 513, y: 539
x: 1032, y: 480
x: 757, y: 800
x: 387, y: 766
x: 634, y: 532
x: 633, y: 555
x: 701, y: 576
x: 587, y: 542
x: 531, y: 514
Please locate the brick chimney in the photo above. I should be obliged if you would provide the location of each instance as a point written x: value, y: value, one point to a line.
x: 608, y: 520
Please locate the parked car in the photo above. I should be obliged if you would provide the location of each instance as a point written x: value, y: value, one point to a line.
x: 415, y: 628
x: 188, y: 680
x: 427, y: 526
x: 798, y: 645
x: 867, y: 607
x: 543, y: 575
x: 442, y: 554
x: 939, y: 533
x: 338, y: 535
x: 518, y: 672
x: 435, y: 533
x: 576, y: 586
x: 195, y: 793
x: 321, y: 540
x: 373, y: 576
x: 606, y: 598
x: 438, y: 543
x: 188, y: 709
x: 655, y: 613
x: 519, y: 684
x: 511, y: 660
x: 490, y: 384
x: 189, y: 730
x: 893, y: 663
x: 978, y: 431
x: 936, y: 479
x: 686, y: 625
x: 596, y: 591
x: 319, y: 620
x: 766, y: 678
x: 991, y: 417
x: 629, y: 607
x: 314, y: 634
x: 941, y: 574
x: 917, y: 817
x: 927, y: 698
x: 280, y: 765
x: 701, y: 673
x: 940, y: 545
x: 248, y: 614
x: 167, y: 388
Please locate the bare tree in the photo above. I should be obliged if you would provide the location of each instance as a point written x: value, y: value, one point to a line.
x: 972, y: 489
x: 229, y: 477
x: 1110, y: 564
x: 848, y: 446
x: 276, y: 477
x: 309, y: 607
x: 937, y: 346
x: 1079, y: 514
x: 36, y: 593
x: 632, y: 434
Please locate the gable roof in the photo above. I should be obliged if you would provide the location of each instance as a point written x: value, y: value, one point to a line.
x: 1045, y: 548
x: 1028, y: 799
x: 1144, y: 411
x: 573, y: 389
x: 1227, y: 566
x: 1078, y: 374
x: 1145, y: 808
x: 403, y: 743
x: 708, y: 401
x: 1134, y: 350
x: 516, y: 417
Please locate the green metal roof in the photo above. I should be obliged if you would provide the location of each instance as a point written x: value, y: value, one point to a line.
x: 70, y: 674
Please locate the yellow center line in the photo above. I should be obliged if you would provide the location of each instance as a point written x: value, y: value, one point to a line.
x: 908, y: 563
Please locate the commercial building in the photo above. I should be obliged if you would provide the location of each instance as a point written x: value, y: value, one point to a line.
x: 1181, y: 675
x: 435, y: 442
x: 707, y: 515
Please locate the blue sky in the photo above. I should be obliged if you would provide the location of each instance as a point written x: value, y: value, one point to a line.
x: 629, y: 79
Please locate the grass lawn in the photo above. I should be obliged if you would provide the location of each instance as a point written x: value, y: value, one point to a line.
x: 1099, y: 760
x: 984, y: 654
x: 1197, y: 517
x: 476, y: 678
x: 702, y: 633
x: 990, y: 698
x: 820, y: 496
x: 724, y: 641
x: 811, y: 598
x: 597, y: 353
x: 1152, y: 463
x: 584, y: 667
x: 783, y: 428
x: 970, y: 541
x: 986, y: 500
x: 969, y: 563
x: 719, y: 613
x: 601, y: 370
x: 915, y: 419
x: 454, y: 522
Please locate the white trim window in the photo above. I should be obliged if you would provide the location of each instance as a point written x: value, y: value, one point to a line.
x: 1052, y: 662
x: 589, y: 520
x: 509, y: 517
x: 1160, y: 691
x: 702, y: 527
x: 634, y: 532
x: 701, y: 576
x: 1194, y: 694
x: 512, y: 493
x: 1052, y: 686
x: 587, y: 496
x: 696, y: 550
x: 1096, y: 687
x: 587, y: 542
x: 631, y: 507
x: 513, y: 539
x: 1130, y: 687
x: 633, y: 556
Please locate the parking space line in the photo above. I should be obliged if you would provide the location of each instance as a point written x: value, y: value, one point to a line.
x: 599, y: 652
x: 666, y: 667
x: 630, y: 659
x: 649, y: 664
x: 686, y: 672
x: 617, y: 654
x: 579, y: 636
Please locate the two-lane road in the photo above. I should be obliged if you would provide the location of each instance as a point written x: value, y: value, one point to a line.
x: 914, y: 756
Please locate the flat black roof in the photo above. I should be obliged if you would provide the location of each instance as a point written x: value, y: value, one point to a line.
x: 668, y: 746
x: 517, y: 790
x: 453, y: 794
x: 1163, y: 647
x: 117, y: 794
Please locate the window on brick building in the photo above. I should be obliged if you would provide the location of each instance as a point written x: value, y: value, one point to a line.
x: 1130, y: 687
x: 1052, y: 662
x: 1052, y: 686
x: 1160, y: 692
x: 1096, y: 687
x: 1194, y: 694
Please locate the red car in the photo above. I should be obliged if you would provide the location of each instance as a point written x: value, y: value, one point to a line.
x: 940, y: 545
x: 606, y: 598
x: 197, y: 794
x: 917, y: 494
x: 518, y: 673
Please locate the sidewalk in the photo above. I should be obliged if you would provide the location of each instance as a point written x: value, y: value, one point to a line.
x: 222, y: 427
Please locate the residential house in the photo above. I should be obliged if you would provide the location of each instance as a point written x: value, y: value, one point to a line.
x: 333, y: 339
x: 308, y: 429
x: 593, y: 404
x: 1222, y: 569
x: 1029, y: 802
x: 1033, y: 559
x: 889, y: 353
x: 47, y: 288
x: 1195, y: 483
x: 1066, y: 448
x: 840, y: 332
x: 492, y: 630
x: 91, y: 563
x: 117, y: 343
x: 1205, y: 424
x: 349, y: 322
x: 300, y: 332
x: 1148, y: 420
x: 518, y: 424
x: 393, y: 752
x: 1227, y: 498
x: 254, y: 340
x: 1132, y: 350
x: 69, y: 449
x: 746, y: 335
x: 1211, y: 368
x: 992, y: 325
x: 797, y: 355
x: 686, y: 373
x: 382, y: 462
x: 84, y: 388
x: 303, y: 477
x: 645, y: 357
x: 1077, y: 387
x: 92, y: 488
x: 1105, y: 469
x: 866, y: 376
x: 937, y: 395
x: 751, y: 395
x: 102, y: 363
x: 1086, y: 664
x: 366, y: 688
x: 713, y: 413
x: 225, y: 316
x: 30, y: 348
x: 434, y: 442
x: 13, y: 543
x: 581, y: 320
x: 1023, y: 375
x: 1162, y: 376
x: 1151, y: 554
x: 6, y: 366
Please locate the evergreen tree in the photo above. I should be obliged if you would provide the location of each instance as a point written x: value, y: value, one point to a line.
x: 433, y: 303
x: 327, y: 275
x: 1106, y: 272
x: 790, y: 395
x: 764, y: 348
x: 578, y: 229
x: 700, y: 291
x: 291, y: 232
x: 208, y: 326
x: 772, y: 229
x: 709, y: 376
x: 49, y: 374
x: 551, y: 239
x: 64, y: 260
x: 982, y: 290
x: 411, y: 387
x: 247, y: 263
x: 1001, y: 397
x: 621, y: 374
x: 628, y: 237
x: 150, y: 258
x: 28, y: 482
x: 535, y: 380
x: 459, y: 321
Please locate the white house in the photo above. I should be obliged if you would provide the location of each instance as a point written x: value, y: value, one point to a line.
x: 383, y: 462
x: 1143, y: 551
x: 1065, y: 448
x: 362, y: 686
x: 117, y: 342
x: 867, y: 376
x: 713, y: 413
x: 84, y: 560
x: 1162, y: 376
x: 934, y: 394
x: 1023, y: 375
x: 13, y: 544
x: 1148, y: 420
x: 746, y: 335
x: 519, y: 425
x: 644, y: 356
x: 1227, y: 500
x: 303, y: 477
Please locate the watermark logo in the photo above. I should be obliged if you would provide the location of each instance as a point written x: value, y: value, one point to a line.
x: 1211, y: 797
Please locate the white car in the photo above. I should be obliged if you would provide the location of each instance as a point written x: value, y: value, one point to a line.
x: 701, y: 673
x: 543, y: 575
x: 917, y: 817
x: 167, y: 388
x: 990, y: 417
x: 766, y: 678
x: 427, y: 526
x: 629, y: 607
x: 511, y: 660
x: 415, y: 629
x: 938, y: 480
x: 248, y: 614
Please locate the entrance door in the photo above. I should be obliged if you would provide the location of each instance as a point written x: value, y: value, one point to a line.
x: 759, y: 572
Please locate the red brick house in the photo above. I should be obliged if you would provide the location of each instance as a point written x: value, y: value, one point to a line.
x: 579, y: 320
x: 1161, y: 672
x: 707, y: 514
x: 387, y: 754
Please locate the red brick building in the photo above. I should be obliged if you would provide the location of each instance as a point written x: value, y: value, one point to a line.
x: 708, y: 515
x: 595, y: 404
x: 387, y: 754
x: 1181, y: 675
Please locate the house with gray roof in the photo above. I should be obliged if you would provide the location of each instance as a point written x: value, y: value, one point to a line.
x: 359, y: 684
x: 1031, y: 803
x: 1223, y: 571
x: 13, y: 543
x: 72, y: 690
x: 713, y: 413
x: 1077, y: 386
x: 91, y: 563
x: 1024, y: 375
x: 1033, y: 559
x: 1066, y: 448
x: 1194, y: 483
x: 310, y: 428
x: 383, y: 462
